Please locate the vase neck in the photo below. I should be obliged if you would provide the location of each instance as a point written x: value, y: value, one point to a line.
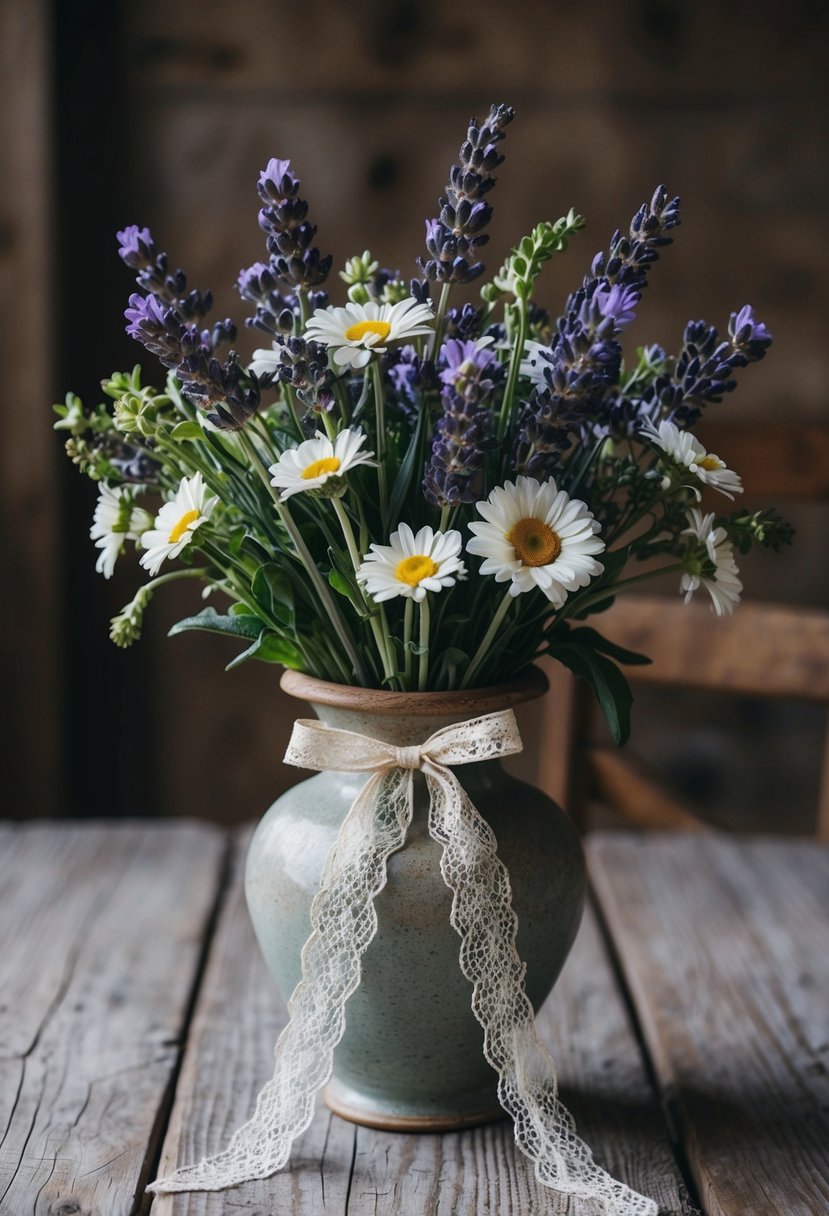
x: 399, y: 731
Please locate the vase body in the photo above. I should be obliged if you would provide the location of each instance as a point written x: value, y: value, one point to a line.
x: 412, y: 1053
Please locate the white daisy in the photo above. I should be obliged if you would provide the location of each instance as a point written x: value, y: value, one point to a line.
x: 714, y: 567
x: 537, y: 536
x: 536, y: 360
x: 176, y: 522
x: 265, y: 360
x: 116, y: 520
x: 412, y: 564
x: 310, y: 465
x: 685, y: 449
x: 356, y: 330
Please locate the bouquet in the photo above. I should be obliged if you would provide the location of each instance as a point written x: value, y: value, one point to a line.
x: 417, y: 486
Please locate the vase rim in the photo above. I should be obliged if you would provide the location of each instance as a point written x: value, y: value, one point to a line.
x: 459, y: 702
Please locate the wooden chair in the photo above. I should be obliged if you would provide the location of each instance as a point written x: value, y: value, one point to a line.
x: 764, y: 650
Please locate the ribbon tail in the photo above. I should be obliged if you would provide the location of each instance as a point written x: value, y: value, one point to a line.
x: 344, y: 922
x: 483, y: 916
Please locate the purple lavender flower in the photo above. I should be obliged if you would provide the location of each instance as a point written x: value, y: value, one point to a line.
x: 750, y: 338
x: 165, y: 321
x: 702, y: 373
x: 629, y: 258
x: 304, y: 366
x: 576, y: 375
x: 454, y: 238
x: 404, y: 369
x: 459, y: 361
x: 295, y: 262
x: 138, y: 250
x: 463, y: 322
x: 455, y: 471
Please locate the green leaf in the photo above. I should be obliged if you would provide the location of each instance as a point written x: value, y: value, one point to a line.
x: 272, y: 589
x: 242, y: 625
x: 270, y: 648
x: 408, y: 466
x: 187, y: 430
x: 604, y: 677
x: 592, y: 638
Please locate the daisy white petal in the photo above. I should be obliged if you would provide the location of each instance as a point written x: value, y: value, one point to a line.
x: 537, y: 358
x: 711, y: 564
x: 353, y: 333
x: 685, y: 450
x: 176, y: 523
x: 535, y: 535
x: 316, y: 461
x: 412, y: 564
x: 265, y: 361
x: 116, y: 520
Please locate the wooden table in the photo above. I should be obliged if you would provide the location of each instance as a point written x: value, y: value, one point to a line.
x: 690, y: 1028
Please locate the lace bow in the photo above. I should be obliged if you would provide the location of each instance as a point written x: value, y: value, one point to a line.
x: 344, y: 921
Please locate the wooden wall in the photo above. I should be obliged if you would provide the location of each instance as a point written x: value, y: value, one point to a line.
x: 163, y: 112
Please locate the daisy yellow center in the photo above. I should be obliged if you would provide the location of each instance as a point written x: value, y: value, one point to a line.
x: 319, y: 468
x: 413, y: 570
x: 710, y: 464
x: 181, y: 527
x: 535, y: 543
x: 356, y: 333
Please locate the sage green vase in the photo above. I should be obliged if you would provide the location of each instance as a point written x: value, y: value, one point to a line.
x: 411, y: 1057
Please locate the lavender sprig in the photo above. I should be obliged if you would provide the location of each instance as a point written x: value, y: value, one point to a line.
x: 304, y: 367
x: 704, y: 370
x: 454, y: 474
x: 572, y: 377
x: 296, y: 264
x: 164, y: 321
x: 454, y: 238
x: 576, y: 374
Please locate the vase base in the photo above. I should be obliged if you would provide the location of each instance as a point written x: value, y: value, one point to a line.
x: 350, y: 1105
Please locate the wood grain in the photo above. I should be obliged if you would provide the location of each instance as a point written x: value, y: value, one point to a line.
x: 100, y: 942
x: 765, y: 649
x: 625, y: 782
x: 723, y: 944
x: 337, y: 1167
x: 30, y: 780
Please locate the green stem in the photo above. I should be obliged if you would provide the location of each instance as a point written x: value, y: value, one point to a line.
x: 348, y: 532
x: 605, y: 593
x: 293, y: 411
x: 408, y: 623
x: 320, y: 586
x: 341, y: 394
x: 489, y: 636
x: 380, y: 438
x: 514, y: 368
x: 303, y: 308
x: 444, y: 518
x: 378, y: 628
x: 196, y: 572
x: 443, y: 304
x: 423, y: 660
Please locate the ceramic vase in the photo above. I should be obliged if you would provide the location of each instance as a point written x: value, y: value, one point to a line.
x: 412, y: 1057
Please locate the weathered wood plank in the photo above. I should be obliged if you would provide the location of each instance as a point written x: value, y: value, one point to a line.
x: 767, y: 650
x: 100, y: 941
x: 30, y: 776
x: 453, y: 49
x: 724, y: 947
x: 339, y: 1168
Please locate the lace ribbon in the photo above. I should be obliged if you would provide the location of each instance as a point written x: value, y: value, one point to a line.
x: 343, y: 923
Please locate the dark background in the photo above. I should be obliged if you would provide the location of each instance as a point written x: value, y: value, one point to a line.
x: 163, y: 113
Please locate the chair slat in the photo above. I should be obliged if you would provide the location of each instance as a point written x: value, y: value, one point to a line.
x: 764, y: 649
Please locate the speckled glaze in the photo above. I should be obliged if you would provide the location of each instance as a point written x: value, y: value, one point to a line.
x: 411, y: 1057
